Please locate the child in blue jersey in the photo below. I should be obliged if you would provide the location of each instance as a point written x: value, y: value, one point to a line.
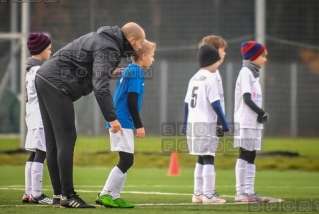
x: 128, y: 97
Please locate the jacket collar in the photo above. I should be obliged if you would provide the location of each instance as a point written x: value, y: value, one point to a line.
x: 127, y: 48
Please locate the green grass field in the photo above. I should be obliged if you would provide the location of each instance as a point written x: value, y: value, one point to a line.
x: 149, y: 187
x: 90, y: 144
x: 150, y: 152
x: 154, y: 192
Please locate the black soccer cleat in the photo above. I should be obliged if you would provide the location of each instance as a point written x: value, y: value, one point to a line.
x: 74, y: 202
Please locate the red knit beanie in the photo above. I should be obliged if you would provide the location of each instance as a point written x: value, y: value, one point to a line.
x: 37, y: 43
x: 251, y: 50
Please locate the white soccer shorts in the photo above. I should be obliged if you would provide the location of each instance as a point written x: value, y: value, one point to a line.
x: 249, y: 139
x: 205, y: 145
x: 35, y: 140
x: 123, y: 143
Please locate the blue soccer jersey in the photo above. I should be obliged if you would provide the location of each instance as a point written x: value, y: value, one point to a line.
x: 131, y: 80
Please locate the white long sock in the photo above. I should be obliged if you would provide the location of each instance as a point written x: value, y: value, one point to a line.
x: 37, y: 176
x: 118, y: 189
x: 209, y: 180
x: 28, y: 179
x: 250, y: 178
x: 240, y: 175
x: 114, y: 180
x: 198, y: 179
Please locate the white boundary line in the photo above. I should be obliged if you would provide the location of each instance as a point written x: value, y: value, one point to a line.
x: 149, y: 204
x: 172, y: 186
x: 18, y: 188
x: 138, y: 205
x: 128, y: 192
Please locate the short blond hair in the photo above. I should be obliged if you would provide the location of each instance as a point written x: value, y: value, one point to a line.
x: 147, y: 48
x: 215, y: 41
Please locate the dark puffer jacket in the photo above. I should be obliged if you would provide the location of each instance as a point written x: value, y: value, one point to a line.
x: 86, y: 64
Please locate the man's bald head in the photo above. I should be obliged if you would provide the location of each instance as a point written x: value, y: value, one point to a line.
x: 134, y: 34
x: 132, y: 29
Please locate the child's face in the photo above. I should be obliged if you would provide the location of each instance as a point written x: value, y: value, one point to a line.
x: 222, y: 54
x: 260, y: 61
x: 45, y: 55
x: 148, y: 59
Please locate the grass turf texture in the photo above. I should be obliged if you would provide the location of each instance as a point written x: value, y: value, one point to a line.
x: 154, y: 192
x: 88, y: 144
x: 94, y: 151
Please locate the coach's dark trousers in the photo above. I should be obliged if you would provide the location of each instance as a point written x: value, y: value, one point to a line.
x: 57, y: 113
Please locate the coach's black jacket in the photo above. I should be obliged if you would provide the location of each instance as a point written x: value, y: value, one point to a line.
x: 86, y: 64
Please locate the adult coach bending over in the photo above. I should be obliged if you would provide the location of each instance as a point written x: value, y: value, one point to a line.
x: 82, y: 66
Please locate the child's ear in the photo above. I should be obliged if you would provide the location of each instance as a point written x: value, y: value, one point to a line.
x: 143, y: 57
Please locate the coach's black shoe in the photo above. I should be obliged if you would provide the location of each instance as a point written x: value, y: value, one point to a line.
x: 74, y: 202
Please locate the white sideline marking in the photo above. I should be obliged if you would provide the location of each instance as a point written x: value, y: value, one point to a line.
x: 19, y: 188
x: 173, y: 186
x: 129, y: 192
x: 139, y: 205
x: 149, y: 204
x: 183, y: 204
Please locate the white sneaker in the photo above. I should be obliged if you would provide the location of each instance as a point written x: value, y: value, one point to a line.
x: 243, y: 197
x: 197, y: 198
x: 215, y: 199
x: 42, y: 199
x: 258, y: 198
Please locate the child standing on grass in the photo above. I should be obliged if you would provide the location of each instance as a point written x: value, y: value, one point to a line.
x: 128, y: 97
x: 202, y: 108
x: 220, y: 44
x: 250, y: 118
x: 39, y: 46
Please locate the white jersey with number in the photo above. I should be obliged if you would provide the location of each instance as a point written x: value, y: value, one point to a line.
x: 220, y: 89
x: 247, y: 83
x: 33, y: 115
x: 202, y: 91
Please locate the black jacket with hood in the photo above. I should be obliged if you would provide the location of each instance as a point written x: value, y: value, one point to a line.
x: 86, y: 64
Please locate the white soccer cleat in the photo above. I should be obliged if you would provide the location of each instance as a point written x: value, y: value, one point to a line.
x: 244, y: 198
x: 197, y: 198
x: 258, y: 198
x: 215, y: 199
x: 42, y: 199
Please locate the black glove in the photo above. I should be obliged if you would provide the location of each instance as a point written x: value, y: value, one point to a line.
x: 219, y: 131
x: 263, y: 118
